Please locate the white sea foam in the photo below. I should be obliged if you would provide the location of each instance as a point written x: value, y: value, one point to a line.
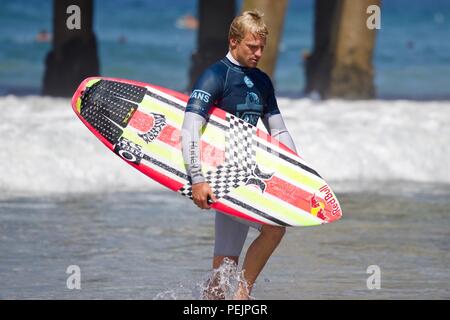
x: 45, y: 149
x: 373, y: 140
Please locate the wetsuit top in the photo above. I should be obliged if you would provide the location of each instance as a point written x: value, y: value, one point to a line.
x: 247, y: 93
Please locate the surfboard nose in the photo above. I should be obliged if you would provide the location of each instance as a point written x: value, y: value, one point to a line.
x: 76, y: 98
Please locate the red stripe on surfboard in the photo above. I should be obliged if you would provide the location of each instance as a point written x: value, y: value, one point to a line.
x: 157, y: 176
x: 220, y: 113
x: 142, y: 121
x: 293, y: 195
x: 224, y: 208
x: 171, y: 136
x: 211, y: 155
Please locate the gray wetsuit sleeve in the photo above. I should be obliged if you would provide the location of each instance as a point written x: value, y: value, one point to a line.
x: 190, y: 143
x: 277, y: 129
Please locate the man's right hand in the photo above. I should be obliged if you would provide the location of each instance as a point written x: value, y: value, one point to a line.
x: 200, y: 193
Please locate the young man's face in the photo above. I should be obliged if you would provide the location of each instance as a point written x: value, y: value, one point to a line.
x: 249, y: 50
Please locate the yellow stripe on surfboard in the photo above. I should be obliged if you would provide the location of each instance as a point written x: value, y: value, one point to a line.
x: 91, y: 82
x: 279, y: 165
x: 79, y: 104
x: 163, y: 108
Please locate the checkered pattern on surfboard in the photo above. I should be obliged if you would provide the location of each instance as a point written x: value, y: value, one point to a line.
x: 239, y: 162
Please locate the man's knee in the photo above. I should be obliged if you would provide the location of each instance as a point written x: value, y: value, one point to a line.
x: 276, y: 233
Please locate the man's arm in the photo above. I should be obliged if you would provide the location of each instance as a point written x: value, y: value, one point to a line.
x: 272, y: 119
x: 190, y: 138
x: 190, y: 142
x: 208, y: 89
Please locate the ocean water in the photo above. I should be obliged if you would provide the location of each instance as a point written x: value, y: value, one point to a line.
x: 150, y: 245
x: 411, y: 59
x: 66, y: 200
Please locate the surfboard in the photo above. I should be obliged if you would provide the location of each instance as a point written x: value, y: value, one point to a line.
x: 253, y: 175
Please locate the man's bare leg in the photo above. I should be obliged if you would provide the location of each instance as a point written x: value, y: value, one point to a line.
x: 257, y: 255
x: 213, y: 292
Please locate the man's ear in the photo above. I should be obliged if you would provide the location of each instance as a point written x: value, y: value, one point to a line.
x: 233, y: 43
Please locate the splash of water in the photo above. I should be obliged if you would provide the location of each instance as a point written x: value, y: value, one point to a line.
x: 166, y: 295
x: 219, y: 284
x: 224, y: 282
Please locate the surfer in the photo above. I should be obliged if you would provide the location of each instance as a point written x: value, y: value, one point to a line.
x: 235, y: 85
x: 43, y: 36
x: 187, y: 22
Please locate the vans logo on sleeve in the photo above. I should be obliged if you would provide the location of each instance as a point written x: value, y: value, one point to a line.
x: 200, y: 95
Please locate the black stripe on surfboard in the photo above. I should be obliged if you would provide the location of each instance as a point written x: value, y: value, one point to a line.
x: 165, y: 167
x: 219, y: 125
x: 182, y: 108
x: 288, y: 159
x: 165, y: 100
x: 254, y: 210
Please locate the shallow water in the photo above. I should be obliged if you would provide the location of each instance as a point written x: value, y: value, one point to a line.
x: 155, y: 245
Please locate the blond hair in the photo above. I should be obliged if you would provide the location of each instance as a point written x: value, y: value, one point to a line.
x: 249, y: 21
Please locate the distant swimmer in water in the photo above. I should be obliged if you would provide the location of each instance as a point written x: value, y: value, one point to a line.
x: 187, y: 22
x: 122, y: 39
x: 43, y: 36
